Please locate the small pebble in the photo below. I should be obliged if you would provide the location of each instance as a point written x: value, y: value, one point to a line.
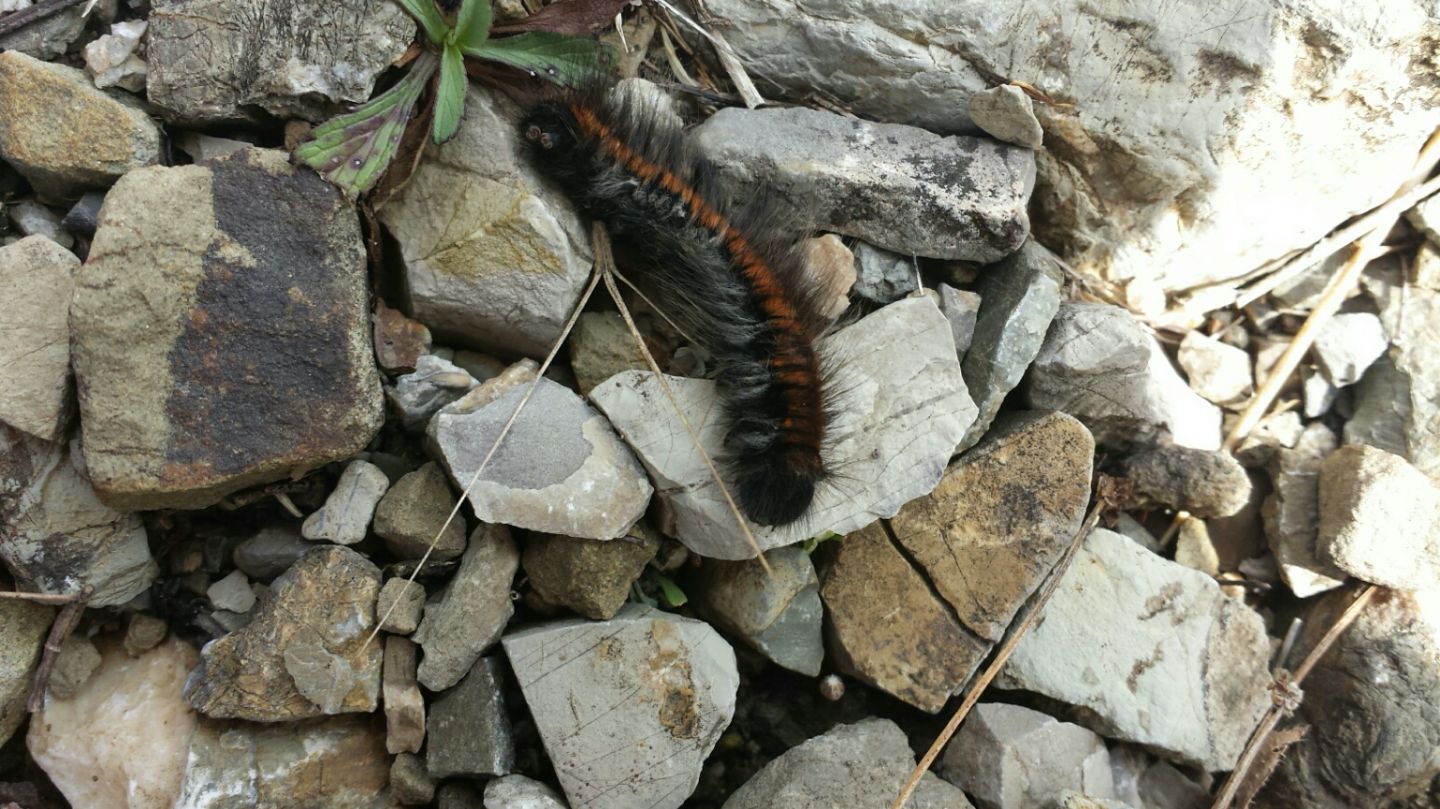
x: 400, y: 605
x: 144, y: 632
x: 32, y: 218
x: 409, y: 783
x: 77, y: 660
x: 232, y: 593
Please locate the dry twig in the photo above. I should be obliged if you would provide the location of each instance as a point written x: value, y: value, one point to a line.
x: 63, y: 625
x: 1012, y: 640
x: 1287, y: 697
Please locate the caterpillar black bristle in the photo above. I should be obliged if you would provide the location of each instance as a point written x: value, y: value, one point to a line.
x: 730, y: 275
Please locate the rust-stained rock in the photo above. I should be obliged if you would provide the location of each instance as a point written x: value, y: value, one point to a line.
x: 220, y: 332
x: 887, y: 627
x: 1000, y: 518
x: 304, y: 653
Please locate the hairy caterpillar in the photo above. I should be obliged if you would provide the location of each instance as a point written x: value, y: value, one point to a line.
x: 729, y: 273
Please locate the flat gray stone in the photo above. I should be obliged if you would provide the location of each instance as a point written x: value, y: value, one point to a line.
x: 882, y: 276
x: 38, y: 276
x: 63, y: 134
x: 33, y: 219
x: 221, y: 332
x: 1100, y: 365
x: 400, y: 606
x: 777, y: 613
x: 345, y: 517
x: 62, y: 537
x: 1347, y: 344
x: 1217, y: 371
x: 469, y: 731
x: 1379, y: 518
x: 628, y: 708
x: 897, y: 187
x: 270, y: 552
x: 1018, y: 299
x: 419, y: 395
x: 561, y: 469
x: 902, y: 410
x: 1152, y: 651
x: 859, y: 765
x: 1007, y: 114
x: 290, y: 60
x: 469, y: 614
x: 962, y: 309
x: 505, y: 265
x: 519, y: 792
x: 1008, y: 757
x: 1291, y: 514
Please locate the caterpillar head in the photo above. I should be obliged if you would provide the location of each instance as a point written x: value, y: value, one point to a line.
x: 550, y: 129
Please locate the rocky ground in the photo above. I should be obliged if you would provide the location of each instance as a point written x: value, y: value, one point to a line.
x: 1068, y: 252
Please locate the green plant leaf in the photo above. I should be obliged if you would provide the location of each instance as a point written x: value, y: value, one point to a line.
x: 561, y: 59
x: 450, y: 96
x: 674, y: 596
x: 425, y: 13
x: 353, y: 150
x: 473, y: 26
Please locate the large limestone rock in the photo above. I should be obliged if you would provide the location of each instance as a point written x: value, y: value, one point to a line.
x: 221, y: 334
x: 217, y: 61
x: 1170, y: 149
x: 1151, y: 651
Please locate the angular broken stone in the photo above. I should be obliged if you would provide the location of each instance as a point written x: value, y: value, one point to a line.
x: 505, y: 265
x: 420, y: 394
x: 469, y: 731
x: 37, y: 275
x: 591, y: 577
x: 976, y: 520
x: 345, y: 517
x: 831, y: 265
x: 1018, y: 299
x: 1205, y: 483
x: 410, y: 515
x: 628, y: 708
x: 778, y: 612
x: 561, y: 469
x: 883, y: 277
x: 404, y: 704
x: 903, y: 408
x: 112, y: 61
x: 1347, y: 344
x: 888, y: 629
x: 1379, y: 518
x: 1008, y: 756
x: 400, y: 606
x: 519, y: 792
x: 410, y: 784
x: 1292, y: 512
x: 471, y: 612
x: 23, y: 629
x: 1218, y: 371
x: 338, y: 763
x: 122, y: 739
x: 1100, y: 365
x: 270, y: 552
x: 1006, y: 114
x: 962, y: 309
x: 306, y: 642
x: 1131, y: 636
x: 859, y: 765
x: 297, y: 60
x: 897, y: 187
x: 399, y: 341
x: 220, y: 332
x: 63, y: 134
x: 232, y: 593
x: 63, y: 538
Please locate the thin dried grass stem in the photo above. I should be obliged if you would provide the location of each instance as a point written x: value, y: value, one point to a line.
x: 495, y: 445
x: 605, y: 268
x: 1283, y: 704
x: 1007, y: 648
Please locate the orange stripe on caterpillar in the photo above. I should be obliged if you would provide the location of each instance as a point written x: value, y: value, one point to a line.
x: 728, y: 274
